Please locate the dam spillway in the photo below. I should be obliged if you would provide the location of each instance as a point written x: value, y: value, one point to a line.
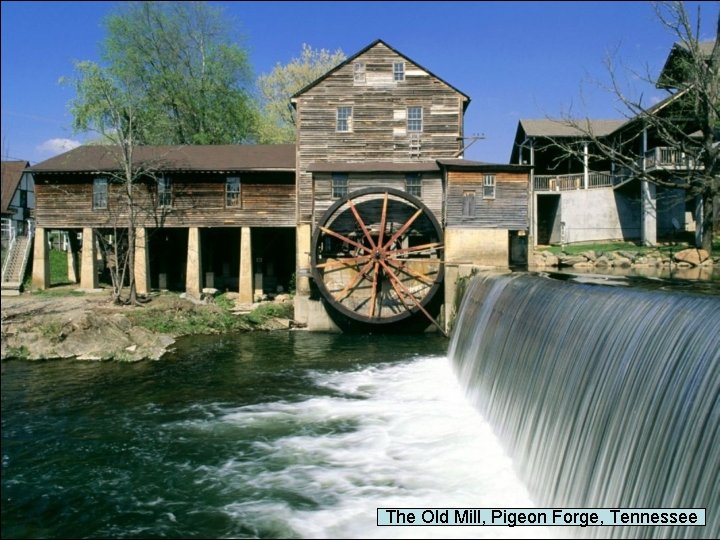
x: 605, y: 397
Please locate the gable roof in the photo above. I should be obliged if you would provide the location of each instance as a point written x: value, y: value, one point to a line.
x: 666, y: 79
x: 563, y: 128
x: 466, y: 98
x: 225, y: 157
x: 12, y: 172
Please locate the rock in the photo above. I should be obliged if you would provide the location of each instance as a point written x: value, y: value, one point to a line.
x: 211, y: 291
x: 589, y: 255
x: 691, y: 256
x: 282, y: 298
x: 586, y: 264
x: 626, y: 254
x: 548, y: 259
x: 622, y: 262
x: 276, y: 323
x: 603, y: 262
x: 570, y: 260
x: 232, y: 295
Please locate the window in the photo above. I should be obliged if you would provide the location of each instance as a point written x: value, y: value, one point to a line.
x: 489, y: 186
x: 414, y: 119
x: 164, y: 191
x: 344, y: 119
x: 339, y: 186
x: 413, y: 184
x: 232, y: 192
x: 468, y: 209
x: 359, y: 71
x: 100, y: 193
x: 399, y: 71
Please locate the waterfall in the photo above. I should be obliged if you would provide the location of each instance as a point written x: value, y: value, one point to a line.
x: 604, y: 397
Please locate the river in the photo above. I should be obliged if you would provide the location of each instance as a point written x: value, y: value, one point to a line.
x: 283, y: 434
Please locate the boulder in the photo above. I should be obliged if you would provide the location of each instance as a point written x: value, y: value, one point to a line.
x: 691, y: 256
x: 571, y: 260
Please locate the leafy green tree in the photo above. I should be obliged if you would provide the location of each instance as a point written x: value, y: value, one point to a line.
x: 277, y: 124
x: 191, y: 78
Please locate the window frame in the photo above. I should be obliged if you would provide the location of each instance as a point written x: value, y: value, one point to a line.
x: 348, y: 120
x: 469, y: 203
x: 97, y: 193
x: 339, y: 185
x: 233, y: 197
x: 409, y: 119
x: 359, y: 72
x: 164, y: 191
x: 489, y: 183
x: 413, y: 184
x: 398, y: 74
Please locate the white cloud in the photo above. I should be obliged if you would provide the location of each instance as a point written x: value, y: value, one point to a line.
x: 52, y: 147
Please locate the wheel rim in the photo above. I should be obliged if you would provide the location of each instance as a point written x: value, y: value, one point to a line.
x: 377, y: 256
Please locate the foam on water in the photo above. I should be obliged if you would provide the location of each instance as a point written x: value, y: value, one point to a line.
x: 397, y: 435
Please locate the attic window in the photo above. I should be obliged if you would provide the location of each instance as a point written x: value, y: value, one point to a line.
x: 100, y: 193
x: 359, y: 71
x: 399, y: 71
x: 232, y: 192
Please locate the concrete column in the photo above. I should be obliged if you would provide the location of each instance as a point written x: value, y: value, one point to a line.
x: 142, y: 261
x: 302, y: 259
x: 73, y: 257
x: 41, y: 260
x: 648, y: 212
x: 193, y: 274
x: 246, y: 267
x: 88, y: 268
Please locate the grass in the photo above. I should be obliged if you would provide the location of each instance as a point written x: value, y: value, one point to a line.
x: 605, y: 247
x: 182, y: 318
x: 267, y: 311
x: 58, y: 268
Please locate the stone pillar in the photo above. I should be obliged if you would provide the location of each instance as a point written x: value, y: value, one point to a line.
x: 193, y: 275
x: 41, y: 260
x: 88, y: 268
x: 142, y: 261
x: 648, y: 213
x: 246, y: 267
x: 302, y: 256
x: 73, y: 257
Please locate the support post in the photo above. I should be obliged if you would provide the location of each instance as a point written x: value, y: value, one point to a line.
x: 73, y: 257
x: 193, y: 274
x: 586, y: 166
x: 88, y: 266
x: 246, y: 267
x: 41, y: 260
x: 302, y: 254
x: 142, y: 261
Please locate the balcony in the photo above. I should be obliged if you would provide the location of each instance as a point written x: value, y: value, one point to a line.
x: 568, y: 182
x: 668, y: 159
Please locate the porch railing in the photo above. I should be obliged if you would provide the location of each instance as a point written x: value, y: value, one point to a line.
x: 567, y: 182
x: 663, y: 157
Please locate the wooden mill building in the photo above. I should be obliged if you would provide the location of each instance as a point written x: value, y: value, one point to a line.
x: 375, y: 188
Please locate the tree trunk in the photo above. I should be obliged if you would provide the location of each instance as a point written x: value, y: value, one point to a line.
x: 707, y: 222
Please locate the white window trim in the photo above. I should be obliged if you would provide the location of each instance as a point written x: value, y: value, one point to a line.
x: 489, y: 181
x: 236, y: 195
x: 96, y: 182
x: 359, y: 72
x: 346, y: 188
x: 400, y: 72
x: 348, y: 120
x: 415, y: 119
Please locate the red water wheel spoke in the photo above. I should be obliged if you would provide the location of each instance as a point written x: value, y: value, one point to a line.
x: 344, y: 239
x: 403, y: 229
x: 354, y: 282
x: 360, y: 222
x: 346, y: 262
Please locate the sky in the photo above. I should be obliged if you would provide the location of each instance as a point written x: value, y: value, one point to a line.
x: 514, y: 59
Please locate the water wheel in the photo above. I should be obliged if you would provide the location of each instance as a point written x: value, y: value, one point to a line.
x: 377, y: 256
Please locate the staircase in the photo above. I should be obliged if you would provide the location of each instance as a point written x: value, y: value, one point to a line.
x: 13, y: 270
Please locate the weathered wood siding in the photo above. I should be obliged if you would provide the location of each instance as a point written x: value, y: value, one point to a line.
x: 431, y: 189
x: 379, y: 119
x: 268, y: 200
x: 508, y: 210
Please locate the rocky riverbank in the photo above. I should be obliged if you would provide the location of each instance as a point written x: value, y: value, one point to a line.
x: 66, y: 324
x: 689, y: 261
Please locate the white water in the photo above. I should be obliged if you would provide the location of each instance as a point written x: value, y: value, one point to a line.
x: 397, y: 435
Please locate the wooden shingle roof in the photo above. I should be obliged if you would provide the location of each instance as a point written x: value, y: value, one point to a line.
x: 210, y: 158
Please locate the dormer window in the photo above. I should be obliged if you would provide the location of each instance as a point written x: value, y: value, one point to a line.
x: 399, y: 71
x: 359, y: 71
